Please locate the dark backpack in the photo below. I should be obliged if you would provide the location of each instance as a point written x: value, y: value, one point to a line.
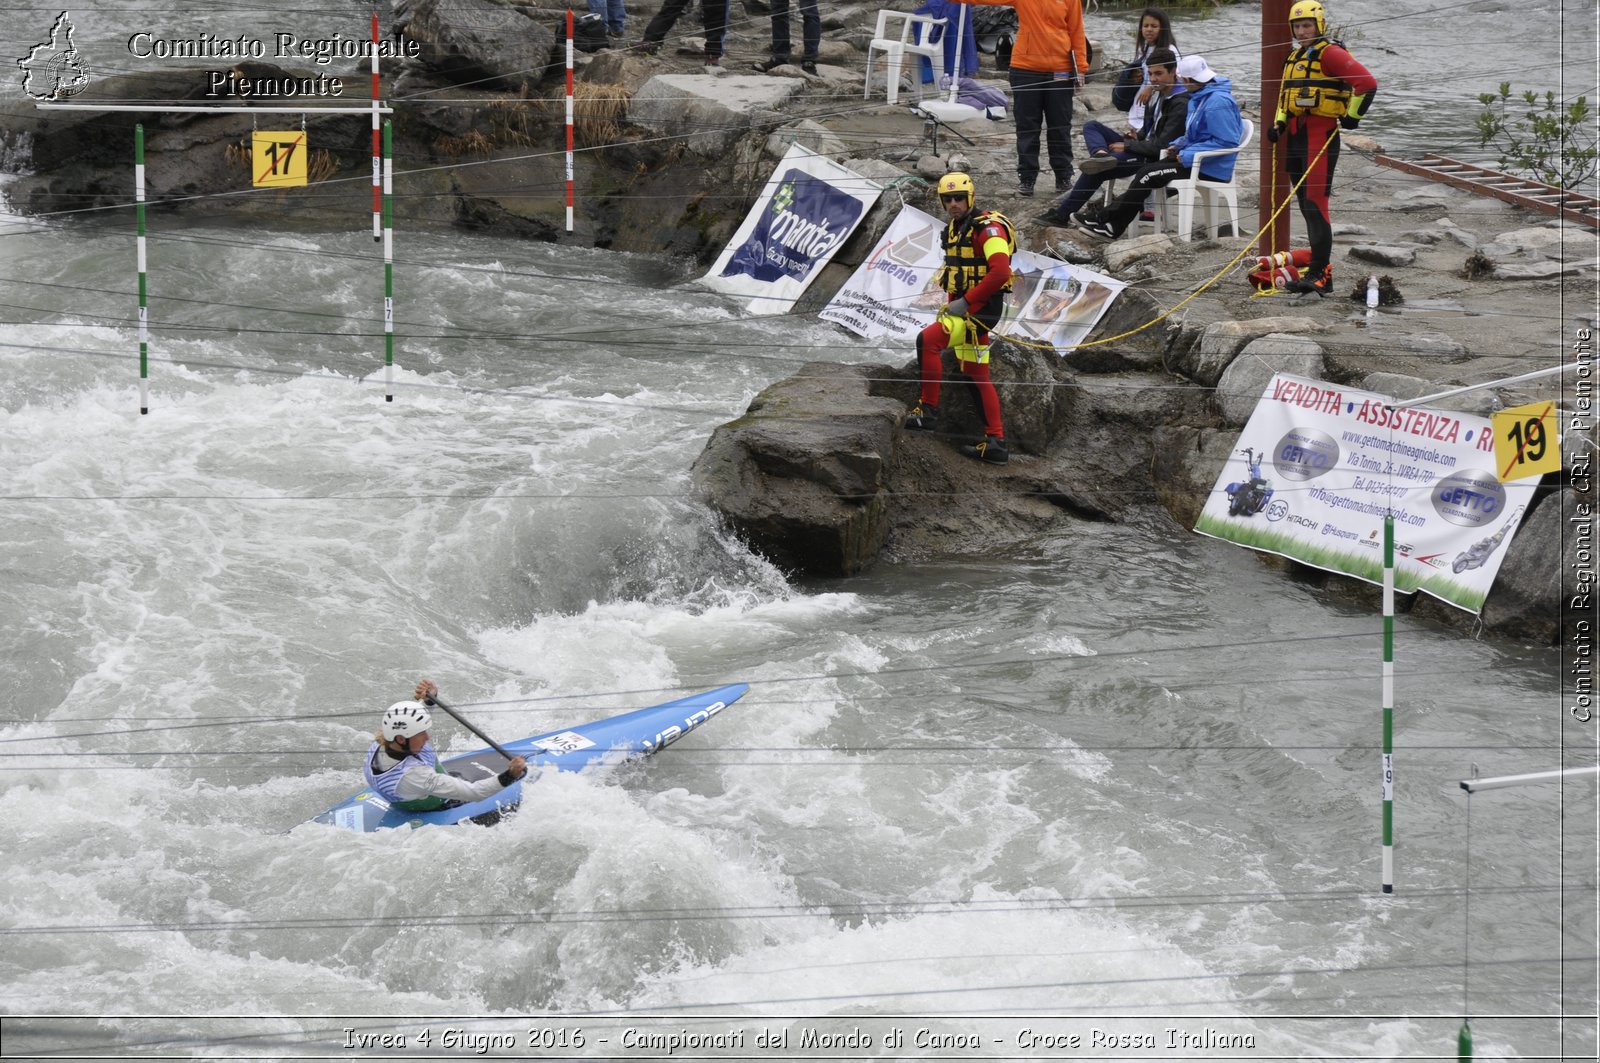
x: 588, y: 33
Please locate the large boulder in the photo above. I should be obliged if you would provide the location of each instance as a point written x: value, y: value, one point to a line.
x: 1221, y: 342
x: 709, y: 114
x: 484, y: 44
x: 1530, y: 577
x: 801, y: 475
x: 1185, y: 467
x: 1244, y: 380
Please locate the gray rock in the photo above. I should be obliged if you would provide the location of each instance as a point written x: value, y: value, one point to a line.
x: 1222, y: 341
x: 1120, y: 254
x: 710, y: 113
x: 1530, y: 577
x: 932, y: 167
x: 1538, y: 271
x: 1185, y: 466
x: 482, y: 43
x: 1423, y: 236
x: 801, y: 476
x: 807, y: 134
x: 1384, y: 255
x: 1059, y: 243
x: 1242, y: 382
x: 1401, y: 387
x: 1342, y: 228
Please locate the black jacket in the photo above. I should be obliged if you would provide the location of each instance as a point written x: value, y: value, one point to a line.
x: 1163, y: 123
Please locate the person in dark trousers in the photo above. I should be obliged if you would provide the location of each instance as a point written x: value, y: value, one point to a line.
x: 1324, y: 90
x: 810, y: 36
x: 713, y: 16
x: 1213, y: 122
x: 978, y: 245
x: 1048, y: 62
x: 1113, y: 154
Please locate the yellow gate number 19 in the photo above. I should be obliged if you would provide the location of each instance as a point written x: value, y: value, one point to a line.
x: 278, y: 160
x: 1526, y: 442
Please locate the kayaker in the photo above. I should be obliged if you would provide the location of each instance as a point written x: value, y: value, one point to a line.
x: 403, y: 767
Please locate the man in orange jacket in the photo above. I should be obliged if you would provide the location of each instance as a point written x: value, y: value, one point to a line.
x: 1048, y: 62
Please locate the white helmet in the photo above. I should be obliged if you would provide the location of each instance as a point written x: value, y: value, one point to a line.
x: 404, y: 719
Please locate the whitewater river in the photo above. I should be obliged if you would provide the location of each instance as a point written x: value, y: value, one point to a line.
x: 1121, y: 784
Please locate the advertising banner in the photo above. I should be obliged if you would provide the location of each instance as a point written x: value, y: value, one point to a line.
x: 895, y: 292
x: 808, y: 209
x: 1319, y: 465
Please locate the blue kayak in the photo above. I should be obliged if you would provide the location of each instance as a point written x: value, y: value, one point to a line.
x: 633, y: 734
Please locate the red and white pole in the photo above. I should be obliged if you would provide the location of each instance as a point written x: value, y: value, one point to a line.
x: 569, y: 119
x: 377, y: 142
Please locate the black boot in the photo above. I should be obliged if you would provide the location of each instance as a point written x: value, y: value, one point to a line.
x: 992, y: 450
x: 924, y: 417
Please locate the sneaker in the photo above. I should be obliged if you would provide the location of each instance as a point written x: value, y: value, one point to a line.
x: 1101, y: 229
x: 615, y: 35
x: 714, y: 66
x: 647, y: 48
x: 1320, y: 282
x: 992, y: 450
x: 1025, y: 189
x: 1064, y: 182
x: 922, y: 418
x: 1099, y: 164
x: 767, y: 66
x: 809, y: 66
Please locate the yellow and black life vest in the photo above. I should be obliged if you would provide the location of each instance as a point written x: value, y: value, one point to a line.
x: 1307, y: 90
x: 963, y: 266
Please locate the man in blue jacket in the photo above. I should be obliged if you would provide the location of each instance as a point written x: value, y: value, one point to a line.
x: 1213, y: 122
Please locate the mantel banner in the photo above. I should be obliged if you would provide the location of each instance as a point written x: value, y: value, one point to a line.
x: 1318, y: 466
x: 895, y: 293
x: 807, y: 211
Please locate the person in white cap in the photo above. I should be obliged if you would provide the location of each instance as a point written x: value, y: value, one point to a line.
x: 403, y: 767
x: 1213, y: 122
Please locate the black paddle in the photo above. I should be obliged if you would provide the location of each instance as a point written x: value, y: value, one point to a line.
x: 434, y: 699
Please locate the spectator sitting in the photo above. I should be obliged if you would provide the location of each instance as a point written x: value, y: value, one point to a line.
x: 1113, y: 154
x: 1213, y: 123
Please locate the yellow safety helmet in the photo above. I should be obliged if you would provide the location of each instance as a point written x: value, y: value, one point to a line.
x: 1310, y: 9
x: 956, y: 182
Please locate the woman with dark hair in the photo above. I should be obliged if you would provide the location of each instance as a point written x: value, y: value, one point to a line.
x: 1154, y: 31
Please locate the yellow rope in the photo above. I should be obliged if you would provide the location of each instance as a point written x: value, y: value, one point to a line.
x: 1215, y: 277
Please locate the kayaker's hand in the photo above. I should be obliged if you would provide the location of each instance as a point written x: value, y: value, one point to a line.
x: 425, y: 689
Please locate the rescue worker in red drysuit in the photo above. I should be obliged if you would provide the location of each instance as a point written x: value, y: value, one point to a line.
x: 978, y: 246
x: 1324, y: 89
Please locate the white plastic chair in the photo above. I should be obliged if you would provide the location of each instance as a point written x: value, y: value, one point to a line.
x: 895, y: 49
x: 1214, y: 193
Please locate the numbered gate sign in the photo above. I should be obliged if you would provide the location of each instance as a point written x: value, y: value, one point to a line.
x: 1526, y: 441
x: 278, y: 160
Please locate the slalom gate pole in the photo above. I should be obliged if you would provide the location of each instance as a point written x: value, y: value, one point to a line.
x: 1388, y: 701
x: 377, y: 189
x: 569, y: 119
x: 388, y: 261
x: 144, y: 309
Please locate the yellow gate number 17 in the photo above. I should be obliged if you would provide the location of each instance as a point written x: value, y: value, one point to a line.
x: 1526, y: 441
x: 278, y: 160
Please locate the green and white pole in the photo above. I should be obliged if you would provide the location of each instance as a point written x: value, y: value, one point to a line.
x: 144, y: 308
x: 388, y: 261
x: 1388, y: 702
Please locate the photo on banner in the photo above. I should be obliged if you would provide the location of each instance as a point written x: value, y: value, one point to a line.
x: 806, y: 212
x: 1318, y: 466
x: 1055, y: 302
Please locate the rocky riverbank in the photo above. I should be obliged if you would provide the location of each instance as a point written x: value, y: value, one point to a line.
x: 818, y: 474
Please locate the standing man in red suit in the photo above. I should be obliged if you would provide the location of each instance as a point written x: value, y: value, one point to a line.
x: 1324, y: 90
x: 978, y: 245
